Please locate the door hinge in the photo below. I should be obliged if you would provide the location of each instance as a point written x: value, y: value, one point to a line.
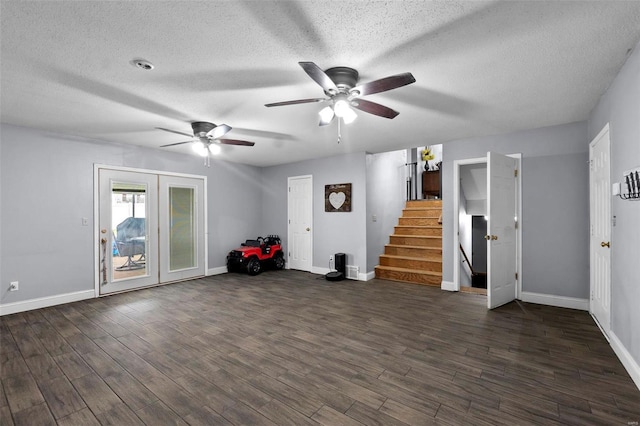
x: 515, y: 173
x: 289, y: 189
x: 516, y: 276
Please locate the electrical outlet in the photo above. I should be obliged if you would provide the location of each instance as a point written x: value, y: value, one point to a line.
x: 330, y: 258
x: 15, y: 286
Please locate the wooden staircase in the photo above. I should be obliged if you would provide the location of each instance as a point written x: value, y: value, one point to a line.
x: 414, y: 252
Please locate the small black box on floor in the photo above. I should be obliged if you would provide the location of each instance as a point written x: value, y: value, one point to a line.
x: 341, y: 263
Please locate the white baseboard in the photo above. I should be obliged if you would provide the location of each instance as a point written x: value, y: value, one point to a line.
x: 319, y: 270
x: 366, y: 276
x: 625, y: 358
x: 448, y: 286
x: 217, y: 271
x: 558, y: 301
x: 45, y: 302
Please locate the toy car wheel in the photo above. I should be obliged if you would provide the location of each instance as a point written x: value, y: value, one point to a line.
x: 254, y: 267
x: 278, y: 262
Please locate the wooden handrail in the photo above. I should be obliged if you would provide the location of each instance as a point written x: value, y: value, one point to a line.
x: 467, y: 260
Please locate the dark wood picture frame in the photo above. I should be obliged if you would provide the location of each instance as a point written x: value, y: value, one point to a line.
x: 337, y: 197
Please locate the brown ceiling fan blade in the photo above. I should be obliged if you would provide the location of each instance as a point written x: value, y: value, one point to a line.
x: 219, y: 131
x: 177, y: 143
x: 384, y: 84
x: 235, y: 142
x: 374, y: 108
x: 319, y: 76
x: 175, y: 131
x: 299, y: 101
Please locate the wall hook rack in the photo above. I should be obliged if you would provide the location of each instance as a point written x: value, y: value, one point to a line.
x: 632, y: 185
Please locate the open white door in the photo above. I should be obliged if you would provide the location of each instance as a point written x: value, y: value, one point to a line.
x: 600, y: 242
x: 128, y: 230
x: 300, y: 212
x: 182, y: 230
x: 501, y: 230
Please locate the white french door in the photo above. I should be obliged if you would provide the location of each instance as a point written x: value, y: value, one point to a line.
x: 128, y: 236
x: 600, y: 218
x: 151, y: 229
x: 501, y: 230
x: 181, y: 219
x: 300, y: 215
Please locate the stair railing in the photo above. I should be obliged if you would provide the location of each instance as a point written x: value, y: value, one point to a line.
x: 466, y: 259
x: 412, y: 181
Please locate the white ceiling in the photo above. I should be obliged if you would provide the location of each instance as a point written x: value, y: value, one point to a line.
x: 481, y: 68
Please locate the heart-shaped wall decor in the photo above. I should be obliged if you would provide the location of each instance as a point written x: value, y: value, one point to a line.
x: 337, y: 199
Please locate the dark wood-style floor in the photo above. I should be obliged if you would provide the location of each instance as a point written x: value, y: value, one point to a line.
x: 286, y: 347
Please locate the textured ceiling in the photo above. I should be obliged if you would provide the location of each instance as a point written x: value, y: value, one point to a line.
x: 481, y: 68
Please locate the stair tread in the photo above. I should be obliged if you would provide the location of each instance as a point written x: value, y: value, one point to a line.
x: 395, y: 256
x: 413, y: 247
x: 420, y: 226
x: 417, y: 236
x: 418, y: 217
x: 408, y: 270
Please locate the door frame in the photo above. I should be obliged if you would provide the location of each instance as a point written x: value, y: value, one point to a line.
x: 604, y: 328
x: 289, y: 233
x: 456, y: 226
x: 96, y: 214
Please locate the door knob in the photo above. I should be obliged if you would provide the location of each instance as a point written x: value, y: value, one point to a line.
x: 494, y: 237
x: 308, y: 229
x: 487, y: 237
x: 603, y: 244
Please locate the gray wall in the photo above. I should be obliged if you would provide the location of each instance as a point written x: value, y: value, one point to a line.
x: 46, y: 182
x: 555, y: 205
x: 620, y: 107
x: 332, y: 232
x: 385, y: 199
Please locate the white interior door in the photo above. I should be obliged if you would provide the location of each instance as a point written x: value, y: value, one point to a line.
x: 182, y: 228
x: 501, y: 230
x: 300, y: 212
x: 128, y: 230
x: 600, y: 217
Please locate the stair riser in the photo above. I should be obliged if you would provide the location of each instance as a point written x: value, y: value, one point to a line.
x: 424, y: 203
x: 429, y: 232
x: 423, y: 242
x: 408, y: 277
x: 423, y: 252
x: 422, y: 213
x: 418, y: 221
x: 422, y: 265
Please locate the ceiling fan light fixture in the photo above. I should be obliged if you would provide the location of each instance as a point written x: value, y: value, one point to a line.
x: 214, y: 149
x: 326, y: 115
x: 199, y: 148
x: 341, y: 107
x: 349, y: 116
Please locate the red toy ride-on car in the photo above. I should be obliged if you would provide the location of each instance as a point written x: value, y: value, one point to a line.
x: 254, y: 255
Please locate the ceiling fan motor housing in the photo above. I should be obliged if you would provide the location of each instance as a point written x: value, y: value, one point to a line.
x: 201, y: 128
x: 344, y: 77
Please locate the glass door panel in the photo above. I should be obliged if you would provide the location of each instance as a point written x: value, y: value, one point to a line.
x: 182, y: 230
x: 129, y: 230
